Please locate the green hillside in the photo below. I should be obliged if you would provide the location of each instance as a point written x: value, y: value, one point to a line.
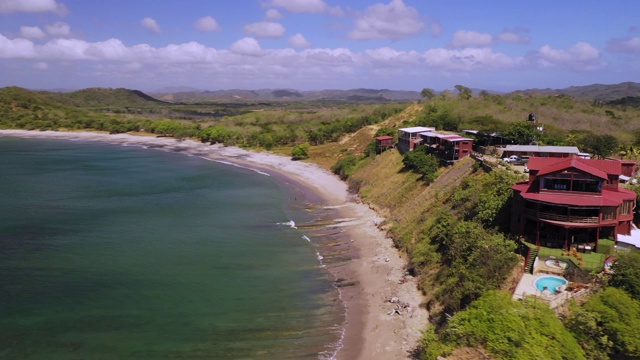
x: 25, y: 109
x: 598, y: 92
x: 104, y: 98
x: 453, y: 231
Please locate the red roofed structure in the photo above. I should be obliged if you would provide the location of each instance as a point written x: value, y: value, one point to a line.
x: 447, y: 147
x: 384, y: 142
x: 571, y: 201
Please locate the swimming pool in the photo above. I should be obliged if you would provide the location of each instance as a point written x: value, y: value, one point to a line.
x: 550, y: 283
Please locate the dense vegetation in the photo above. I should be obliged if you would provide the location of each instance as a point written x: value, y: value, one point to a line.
x: 507, y: 329
x: 121, y: 110
x: 450, y: 221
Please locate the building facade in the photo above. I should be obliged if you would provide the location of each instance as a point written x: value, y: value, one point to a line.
x: 527, y: 151
x: 571, y: 202
x: 409, y: 138
x: 447, y: 147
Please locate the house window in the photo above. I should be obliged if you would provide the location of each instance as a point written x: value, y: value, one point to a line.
x: 569, y: 181
x: 608, y: 213
x: 626, y: 207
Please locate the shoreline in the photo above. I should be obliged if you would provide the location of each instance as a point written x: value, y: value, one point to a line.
x: 367, y: 277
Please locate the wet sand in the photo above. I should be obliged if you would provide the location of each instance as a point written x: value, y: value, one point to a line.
x: 367, y: 268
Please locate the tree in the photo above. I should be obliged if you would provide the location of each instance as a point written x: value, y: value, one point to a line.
x: 619, y: 319
x: 521, y: 132
x: 386, y: 131
x: 345, y: 166
x: 511, y: 329
x: 485, y: 198
x: 464, y: 92
x: 424, y: 164
x: 428, y: 93
x: 300, y: 152
x: 626, y: 274
x: 473, y: 259
x: 600, y: 145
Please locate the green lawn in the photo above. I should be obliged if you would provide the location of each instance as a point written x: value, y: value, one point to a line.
x: 592, y: 262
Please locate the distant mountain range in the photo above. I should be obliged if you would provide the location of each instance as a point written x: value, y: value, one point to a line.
x: 354, y: 95
x: 627, y: 94
x: 598, y: 92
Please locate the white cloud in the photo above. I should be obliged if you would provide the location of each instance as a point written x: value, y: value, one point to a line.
x: 111, y: 50
x: 59, y: 30
x: 150, y: 24
x: 305, y: 6
x: 333, y: 57
x: 469, y: 59
x: 273, y: 14
x: 32, y: 32
x: 246, y: 46
x: 265, y: 29
x: 580, y: 56
x: 16, y: 49
x: 393, y: 21
x: 630, y: 46
x: 238, y: 65
x: 389, y: 56
x: 465, y: 38
x: 64, y: 49
x: 41, y: 66
x: 514, y: 36
x: 207, y: 23
x: 298, y: 40
x: 12, y: 6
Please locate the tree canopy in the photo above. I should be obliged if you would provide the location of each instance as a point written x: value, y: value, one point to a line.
x: 626, y: 273
x: 511, y: 329
x: 422, y: 163
x: 608, y: 323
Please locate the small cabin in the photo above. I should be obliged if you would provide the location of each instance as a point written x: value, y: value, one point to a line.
x: 384, y: 142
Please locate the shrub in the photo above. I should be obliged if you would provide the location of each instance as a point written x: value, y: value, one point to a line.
x: 422, y: 163
x: 345, y: 166
x: 300, y: 152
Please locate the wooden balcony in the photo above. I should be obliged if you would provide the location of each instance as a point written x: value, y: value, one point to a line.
x: 562, y: 218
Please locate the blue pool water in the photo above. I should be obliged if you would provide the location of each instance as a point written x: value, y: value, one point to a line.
x: 550, y: 282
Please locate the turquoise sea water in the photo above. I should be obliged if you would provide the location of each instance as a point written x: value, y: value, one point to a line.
x: 113, y: 252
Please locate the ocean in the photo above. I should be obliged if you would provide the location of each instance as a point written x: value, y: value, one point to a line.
x: 121, y: 252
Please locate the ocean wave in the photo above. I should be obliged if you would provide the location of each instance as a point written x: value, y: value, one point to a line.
x: 238, y: 166
x: 289, y: 223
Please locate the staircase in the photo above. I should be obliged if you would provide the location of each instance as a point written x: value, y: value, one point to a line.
x: 531, y: 258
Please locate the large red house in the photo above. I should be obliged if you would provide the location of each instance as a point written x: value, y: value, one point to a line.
x: 571, y: 201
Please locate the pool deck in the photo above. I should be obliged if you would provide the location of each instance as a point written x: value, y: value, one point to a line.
x: 526, y: 287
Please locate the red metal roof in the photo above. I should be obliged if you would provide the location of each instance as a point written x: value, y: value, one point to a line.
x: 457, y: 138
x: 384, y: 137
x: 596, y: 167
x: 607, y: 198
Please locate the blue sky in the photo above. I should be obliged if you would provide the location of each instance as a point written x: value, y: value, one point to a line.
x: 318, y: 44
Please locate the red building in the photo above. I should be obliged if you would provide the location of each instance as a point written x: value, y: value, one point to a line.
x: 571, y: 201
x: 409, y: 138
x: 384, y: 141
x: 447, y: 147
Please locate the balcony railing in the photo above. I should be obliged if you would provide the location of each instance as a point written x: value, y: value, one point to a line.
x: 562, y: 218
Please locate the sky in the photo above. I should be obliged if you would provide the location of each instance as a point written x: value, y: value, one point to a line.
x: 149, y: 45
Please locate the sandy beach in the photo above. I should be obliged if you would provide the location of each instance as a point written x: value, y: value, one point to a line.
x: 384, y: 316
